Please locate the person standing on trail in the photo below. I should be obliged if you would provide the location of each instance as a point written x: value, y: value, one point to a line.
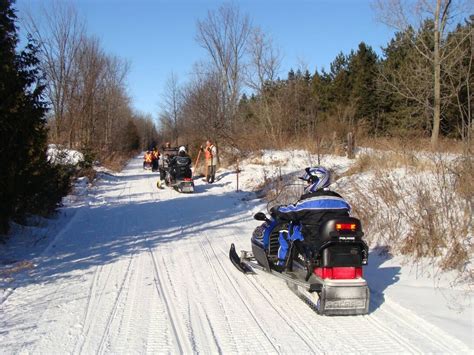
x: 211, y: 161
x: 156, y: 157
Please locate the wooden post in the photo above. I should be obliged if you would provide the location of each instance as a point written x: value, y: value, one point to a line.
x: 238, y: 171
x: 350, y: 145
x: 318, y: 147
x: 196, y: 163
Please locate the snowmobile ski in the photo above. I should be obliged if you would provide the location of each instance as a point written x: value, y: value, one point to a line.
x: 238, y: 263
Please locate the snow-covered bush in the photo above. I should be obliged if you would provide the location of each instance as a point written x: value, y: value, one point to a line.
x: 62, y: 156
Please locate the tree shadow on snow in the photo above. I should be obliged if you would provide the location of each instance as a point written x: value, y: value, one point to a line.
x: 101, y: 235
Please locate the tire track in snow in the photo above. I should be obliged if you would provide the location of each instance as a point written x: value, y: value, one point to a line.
x: 180, y: 336
x: 113, y: 312
x: 219, y: 293
x: 246, y: 304
x: 292, y: 325
x: 87, y: 322
x: 94, y: 306
x: 417, y: 328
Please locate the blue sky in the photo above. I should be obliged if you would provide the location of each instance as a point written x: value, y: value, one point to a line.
x: 157, y: 37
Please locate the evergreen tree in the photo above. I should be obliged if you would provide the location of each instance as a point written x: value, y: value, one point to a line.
x: 340, y: 82
x: 291, y: 75
x: 29, y: 184
x: 363, y: 78
x: 321, y: 83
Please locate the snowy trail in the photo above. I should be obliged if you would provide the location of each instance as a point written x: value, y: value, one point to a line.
x: 145, y: 270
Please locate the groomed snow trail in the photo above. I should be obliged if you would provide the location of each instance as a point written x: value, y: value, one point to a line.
x: 146, y: 271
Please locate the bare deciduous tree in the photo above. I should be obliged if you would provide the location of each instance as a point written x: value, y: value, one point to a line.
x: 224, y: 34
x: 60, y: 33
x: 170, y: 116
x: 265, y: 60
x: 403, y: 15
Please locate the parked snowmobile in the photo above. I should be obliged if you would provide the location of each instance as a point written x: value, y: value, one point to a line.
x: 180, y: 183
x: 175, y: 175
x: 327, y: 273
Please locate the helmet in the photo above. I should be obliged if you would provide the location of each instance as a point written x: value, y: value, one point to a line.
x: 182, y: 149
x: 317, y: 177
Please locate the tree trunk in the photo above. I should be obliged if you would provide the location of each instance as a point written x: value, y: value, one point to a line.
x: 437, y: 78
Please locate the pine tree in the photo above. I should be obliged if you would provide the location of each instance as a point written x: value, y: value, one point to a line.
x: 29, y: 184
x: 340, y: 82
x: 363, y: 78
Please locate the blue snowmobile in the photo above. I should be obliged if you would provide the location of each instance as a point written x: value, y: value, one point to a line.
x: 326, y: 273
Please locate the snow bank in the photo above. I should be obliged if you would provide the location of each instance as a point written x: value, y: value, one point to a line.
x: 60, y: 155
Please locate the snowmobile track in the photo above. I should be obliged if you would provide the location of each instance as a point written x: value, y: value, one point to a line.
x: 182, y: 342
x: 113, y: 312
x: 90, y: 322
x: 245, y: 302
x: 217, y: 284
x: 299, y: 331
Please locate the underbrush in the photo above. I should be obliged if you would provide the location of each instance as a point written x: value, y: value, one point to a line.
x: 415, y: 143
x: 421, y: 208
x: 389, y: 160
x: 116, y: 161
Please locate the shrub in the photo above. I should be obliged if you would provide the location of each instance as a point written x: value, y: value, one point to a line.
x: 423, y: 210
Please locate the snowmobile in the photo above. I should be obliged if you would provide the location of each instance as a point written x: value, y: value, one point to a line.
x: 182, y: 182
x: 326, y: 273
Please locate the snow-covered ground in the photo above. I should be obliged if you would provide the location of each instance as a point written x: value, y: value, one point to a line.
x: 126, y: 267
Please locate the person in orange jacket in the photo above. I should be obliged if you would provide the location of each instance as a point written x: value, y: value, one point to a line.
x: 147, y: 159
x: 155, y: 159
x: 211, y: 161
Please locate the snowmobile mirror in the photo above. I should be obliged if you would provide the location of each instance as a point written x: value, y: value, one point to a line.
x: 260, y: 216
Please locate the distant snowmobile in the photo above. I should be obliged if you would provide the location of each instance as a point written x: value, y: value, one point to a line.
x: 326, y: 274
x: 176, y: 172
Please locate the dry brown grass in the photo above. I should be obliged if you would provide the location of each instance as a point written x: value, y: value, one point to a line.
x: 90, y: 173
x: 424, y: 213
x: 411, y: 143
x: 389, y: 160
x: 463, y: 170
x: 17, y: 267
x: 116, y: 161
